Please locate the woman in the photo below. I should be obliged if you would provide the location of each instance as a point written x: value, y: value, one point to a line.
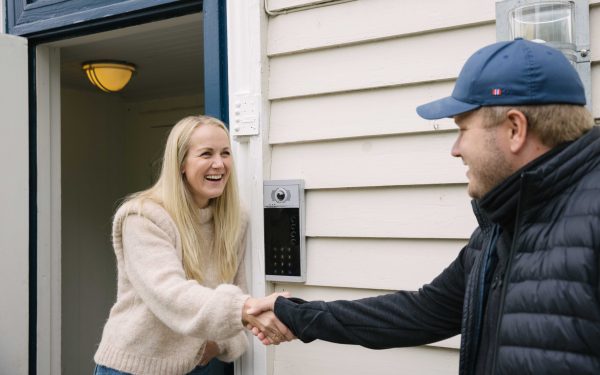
x: 180, y: 250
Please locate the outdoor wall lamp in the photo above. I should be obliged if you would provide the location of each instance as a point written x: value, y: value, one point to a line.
x: 108, y: 76
x: 561, y: 24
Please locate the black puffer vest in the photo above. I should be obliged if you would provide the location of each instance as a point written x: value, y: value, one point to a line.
x: 550, y: 299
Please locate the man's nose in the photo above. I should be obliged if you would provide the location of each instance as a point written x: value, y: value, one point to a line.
x: 455, y: 150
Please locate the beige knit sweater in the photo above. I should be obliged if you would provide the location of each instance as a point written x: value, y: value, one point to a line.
x: 160, y: 321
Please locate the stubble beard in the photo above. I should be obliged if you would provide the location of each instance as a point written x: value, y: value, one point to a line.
x: 488, y: 171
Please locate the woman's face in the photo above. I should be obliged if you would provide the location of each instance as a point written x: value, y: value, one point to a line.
x: 207, y: 164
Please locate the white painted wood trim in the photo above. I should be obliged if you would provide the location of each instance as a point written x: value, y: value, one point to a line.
x: 49, y: 210
x: 14, y: 200
x: 247, y: 64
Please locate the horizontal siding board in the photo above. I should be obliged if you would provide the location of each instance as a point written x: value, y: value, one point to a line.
x: 391, y: 264
x: 595, y: 32
x: 381, y: 161
x: 404, y: 212
x: 595, y: 56
x: 320, y: 357
x: 354, y: 114
x: 282, y: 5
x: 312, y: 293
x: 345, y: 23
x: 596, y: 90
x: 430, y: 57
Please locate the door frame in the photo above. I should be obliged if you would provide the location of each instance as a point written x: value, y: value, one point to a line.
x: 45, y: 157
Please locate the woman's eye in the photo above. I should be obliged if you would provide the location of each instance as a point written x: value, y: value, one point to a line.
x: 205, y: 154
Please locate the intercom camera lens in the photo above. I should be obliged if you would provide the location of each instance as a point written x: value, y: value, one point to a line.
x: 280, y: 195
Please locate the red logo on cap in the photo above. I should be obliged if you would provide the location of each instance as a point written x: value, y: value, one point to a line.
x: 496, y: 92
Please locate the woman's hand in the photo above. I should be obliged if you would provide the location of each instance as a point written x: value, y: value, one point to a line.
x: 211, y: 350
x: 254, y: 306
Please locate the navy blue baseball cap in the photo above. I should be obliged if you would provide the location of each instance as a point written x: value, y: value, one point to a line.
x: 518, y: 72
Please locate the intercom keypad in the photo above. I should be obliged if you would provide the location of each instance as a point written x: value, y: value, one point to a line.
x: 285, y: 257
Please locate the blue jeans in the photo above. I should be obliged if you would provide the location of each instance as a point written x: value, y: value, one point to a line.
x: 214, y: 367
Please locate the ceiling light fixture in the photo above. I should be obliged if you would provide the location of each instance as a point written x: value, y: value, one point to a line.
x: 109, y: 76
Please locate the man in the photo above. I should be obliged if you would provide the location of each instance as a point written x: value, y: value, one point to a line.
x: 525, y: 291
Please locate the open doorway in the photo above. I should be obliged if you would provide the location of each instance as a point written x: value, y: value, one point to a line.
x: 111, y: 146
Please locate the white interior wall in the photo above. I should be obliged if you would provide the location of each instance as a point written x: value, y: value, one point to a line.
x: 110, y: 148
x: 92, y: 138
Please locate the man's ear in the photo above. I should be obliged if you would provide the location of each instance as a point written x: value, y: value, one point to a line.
x: 517, y: 126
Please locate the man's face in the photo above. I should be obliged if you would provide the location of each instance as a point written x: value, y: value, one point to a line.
x: 480, y: 148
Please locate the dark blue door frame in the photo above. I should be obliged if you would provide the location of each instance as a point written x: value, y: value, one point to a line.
x: 215, y: 92
x: 216, y: 101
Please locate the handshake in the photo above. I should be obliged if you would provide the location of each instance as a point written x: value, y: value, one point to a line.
x: 258, y: 317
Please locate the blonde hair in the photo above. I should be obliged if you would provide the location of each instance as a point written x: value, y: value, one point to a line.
x: 172, y: 193
x: 552, y: 123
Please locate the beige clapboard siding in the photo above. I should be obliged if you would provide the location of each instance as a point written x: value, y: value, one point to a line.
x: 428, y: 57
x: 595, y: 48
x: 388, y: 110
x: 441, y: 211
x: 357, y: 263
x: 411, y: 159
x: 316, y: 293
x: 323, y: 358
x: 595, y: 30
x: 596, y: 89
x: 345, y: 23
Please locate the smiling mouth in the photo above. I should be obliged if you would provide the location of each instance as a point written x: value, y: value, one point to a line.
x: 214, y: 177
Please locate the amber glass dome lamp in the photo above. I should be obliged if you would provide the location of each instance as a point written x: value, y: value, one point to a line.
x: 109, y: 75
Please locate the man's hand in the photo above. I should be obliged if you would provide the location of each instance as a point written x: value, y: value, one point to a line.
x: 266, y: 323
x: 211, y: 350
x: 273, y: 332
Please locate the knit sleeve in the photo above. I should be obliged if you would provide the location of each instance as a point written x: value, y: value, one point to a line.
x: 232, y: 348
x: 156, y: 273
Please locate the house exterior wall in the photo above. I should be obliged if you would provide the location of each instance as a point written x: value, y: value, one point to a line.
x: 14, y: 200
x: 386, y: 204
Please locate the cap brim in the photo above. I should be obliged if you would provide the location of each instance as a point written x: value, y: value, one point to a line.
x: 445, y: 107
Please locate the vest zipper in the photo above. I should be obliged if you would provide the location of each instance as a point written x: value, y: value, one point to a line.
x: 481, y: 293
x: 504, y: 280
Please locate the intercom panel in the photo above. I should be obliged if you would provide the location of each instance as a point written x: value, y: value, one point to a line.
x: 285, y: 250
